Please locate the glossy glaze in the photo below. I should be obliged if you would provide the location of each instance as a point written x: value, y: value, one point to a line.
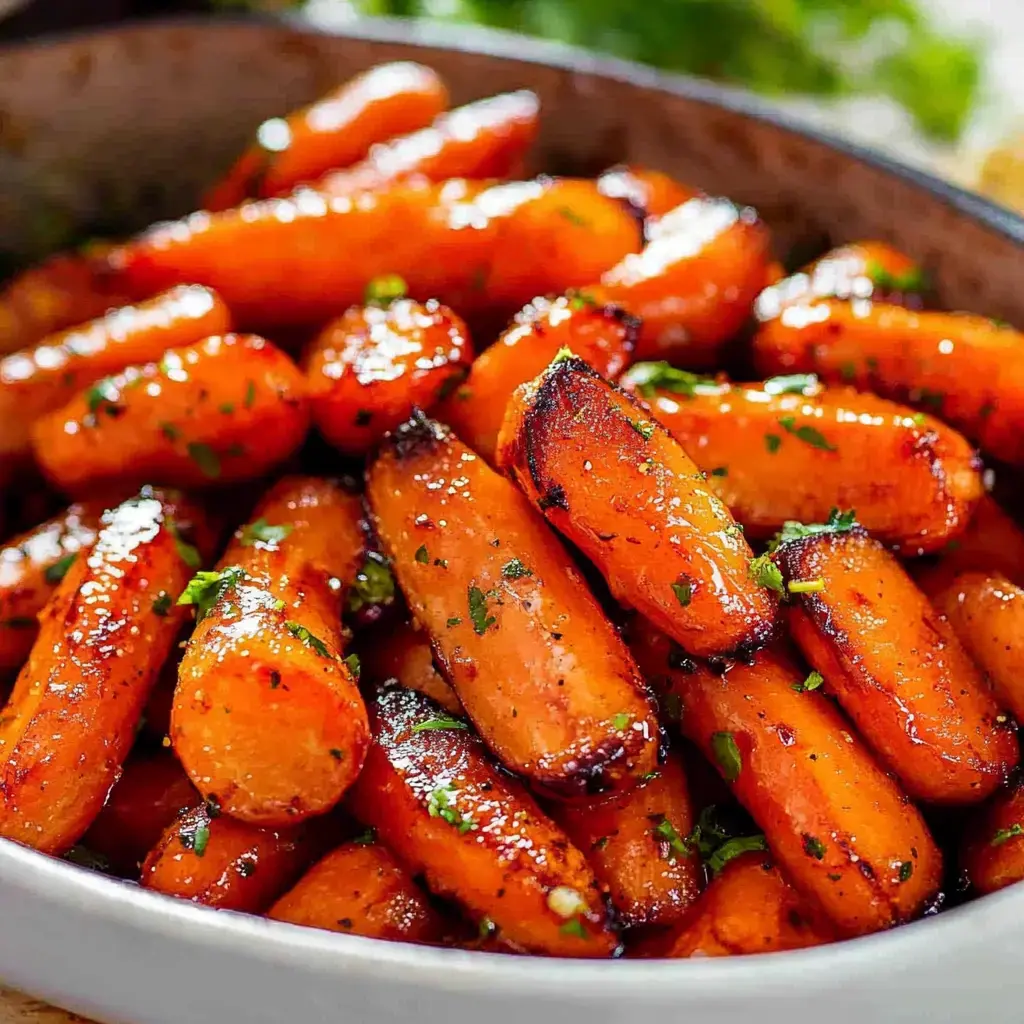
x: 651, y: 193
x: 993, y: 848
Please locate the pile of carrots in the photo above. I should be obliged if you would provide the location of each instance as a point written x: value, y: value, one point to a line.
x: 569, y: 645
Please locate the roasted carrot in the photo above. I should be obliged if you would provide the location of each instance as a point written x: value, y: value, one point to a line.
x: 469, y: 245
x: 336, y: 131
x: 225, y: 410
x: 209, y: 858
x: 966, y: 370
x: 651, y: 193
x: 622, y: 489
x: 896, y: 667
x: 369, y: 369
x: 695, y: 282
x: 840, y: 828
x: 149, y: 796
x: 789, y: 450
x: 636, y: 844
x: 748, y: 908
x: 267, y: 719
x: 38, y: 380
x: 31, y: 566
x: 602, y: 336
x: 993, y: 849
x: 103, y: 636
x: 438, y: 801
x: 539, y: 669
x: 403, y: 652
x: 485, y: 139
x: 360, y: 889
x: 860, y: 270
x: 987, y: 614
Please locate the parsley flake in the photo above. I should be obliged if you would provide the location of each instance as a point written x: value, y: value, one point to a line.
x: 574, y: 928
x: 906, y: 870
x: 683, y: 592
x: 765, y: 573
x: 772, y: 442
x: 250, y: 394
x: 367, y: 838
x: 645, y: 428
x: 732, y: 848
x: 648, y: 378
x: 1004, y: 835
x: 384, y: 290
x: 515, y: 570
x: 302, y: 634
x: 807, y: 434
x: 478, y: 611
x: 727, y: 755
x: 421, y: 555
x: 814, y: 847
x: 56, y: 572
x: 205, y: 458
x: 666, y: 833
x: 262, y: 532
x: 373, y: 585
x: 791, y: 384
x: 439, y: 805
x: 162, y: 604
x: 812, y: 682
x: 440, y: 724
x: 621, y: 721
x: 454, y: 621
x: 186, y: 552
x: 352, y: 663
x: 838, y: 522
x: 170, y: 431
x: 206, y: 587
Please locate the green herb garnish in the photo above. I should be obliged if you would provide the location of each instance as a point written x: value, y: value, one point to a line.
x: 302, y: 634
x: 439, y: 805
x: 262, y: 532
x: 791, y: 384
x: 384, y: 290
x: 727, y: 755
x: 56, y: 572
x: 162, y: 604
x: 838, y: 522
x: 765, y: 573
x: 186, y: 552
x: 648, y: 378
x: 812, y: 682
x: 732, y: 848
x: 807, y: 434
x: 814, y: 847
x: 515, y: 570
x: 421, y: 555
x: 205, y: 458
x: 772, y: 442
x: 440, y: 724
x: 683, y: 592
x: 1004, y: 835
x: 478, y: 611
x: 351, y: 662
x: 206, y: 587
x: 374, y: 585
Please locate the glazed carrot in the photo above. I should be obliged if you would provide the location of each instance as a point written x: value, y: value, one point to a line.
x: 436, y: 799
x: 624, y: 491
x: 896, y: 667
x: 103, y: 636
x: 369, y: 369
x: 993, y: 850
x: 469, y: 245
x: 62, y: 291
x: 144, y: 801
x: 788, y: 449
x: 404, y: 652
x: 485, y: 139
x: 336, y: 131
x: 695, y: 282
x: 748, y: 908
x: 31, y: 566
x: 651, y: 193
x: 636, y: 844
x: 225, y: 410
x: 840, y: 828
x: 539, y: 669
x: 38, y: 380
x: 992, y: 542
x: 987, y: 614
x: 966, y: 370
x: 359, y: 889
x: 861, y: 270
x: 220, y: 862
x: 267, y: 719
x: 602, y: 336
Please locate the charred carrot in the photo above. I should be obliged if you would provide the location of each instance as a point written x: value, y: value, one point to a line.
x: 622, y: 489
x: 103, y: 636
x: 225, y: 410
x: 485, y: 139
x: 337, y: 130
x: 602, y: 336
x: 651, y: 193
x: 840, y: 828
x: 993, y: 849
x: 895, y: 666
x: 539, y: 669
x: 437, y: 800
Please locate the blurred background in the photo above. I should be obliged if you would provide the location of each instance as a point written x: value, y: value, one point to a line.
x: 939, y: 83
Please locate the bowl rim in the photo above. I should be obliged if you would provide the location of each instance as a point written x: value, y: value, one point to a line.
x: 119, y: 902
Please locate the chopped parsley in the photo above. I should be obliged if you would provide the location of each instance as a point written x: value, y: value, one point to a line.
x: 384, y: 290
x: 206, y: 587
x: 262, y: 532
x: 791, y: 384
x: 807, y: 434
x: 581, y: 300
x: 665, y: 832
x: 367, y: 838
x: 814, y: 847
x: 440, y: 724
x: 906, y: 870
x: 572, y: 216
x: 621, y: 721
x: 454, y: 621
x: 1004, y: 835
x: 683, y: 592
x: 812, y: 682
x: 302, y: 634
x: 727, y: 755
x: 772, y: 442
x: 421, y: 555
x: 373, y: 585
x: 718, y: 844
x: 478, y: 611
x: 196, y: 839
x: 250, y: 394
x: 563, y: 355
x: 439, y: 805
x: 515, y: 570
x: 337, y: 754
x: 574, y: 928
x: 186, y: 552
x: 351, y: 662
x: 205, y: 458
x: 102, y: 393
x: 911, y: 280
x: 720, y: 471
x: 162, y: 604
x: 227, y: 408
x: 645, y: 428
x: 732, y: 848
x: 56, y: 572
x: 170, y: 431
x: 765, y: 573
x: 838, y: 522
x: 647, y: 378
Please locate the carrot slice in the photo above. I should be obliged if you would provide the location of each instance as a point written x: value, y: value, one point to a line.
x: 993, y: 849
x: 652, y: 193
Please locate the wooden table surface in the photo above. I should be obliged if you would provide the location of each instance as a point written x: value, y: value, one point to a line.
x: 18, y: 1009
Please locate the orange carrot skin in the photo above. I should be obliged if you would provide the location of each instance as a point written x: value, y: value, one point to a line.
x: 38, y: 380
x: 839, y: 827
x: 337, y: 130
x: 695, y: 282
x: 240, y: 867
x: 62, y: 291
x: 993, y: 850
x: 861, y: 270
x: 649, y: 881
x: 471, y: 246
x: 539, y: 669
x: 966, y: 370
x: 897, y: 669
x: 144, y: 801
x: 652, y: 193
x: 103, y: 636
x: 748, y: 908
x: 913, y: 481
x: 369, y: 369
x: 485, y: 139
x: 31, y: 566
x: 225, y: 410
x: 622, y: 489
x: 361, y: 890
x: 437, y: 800
x: 602, y: 336
x: 987, y: 614
x: 267, y: 719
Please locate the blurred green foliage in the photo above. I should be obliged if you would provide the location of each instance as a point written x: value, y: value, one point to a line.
x: 814, y: 47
